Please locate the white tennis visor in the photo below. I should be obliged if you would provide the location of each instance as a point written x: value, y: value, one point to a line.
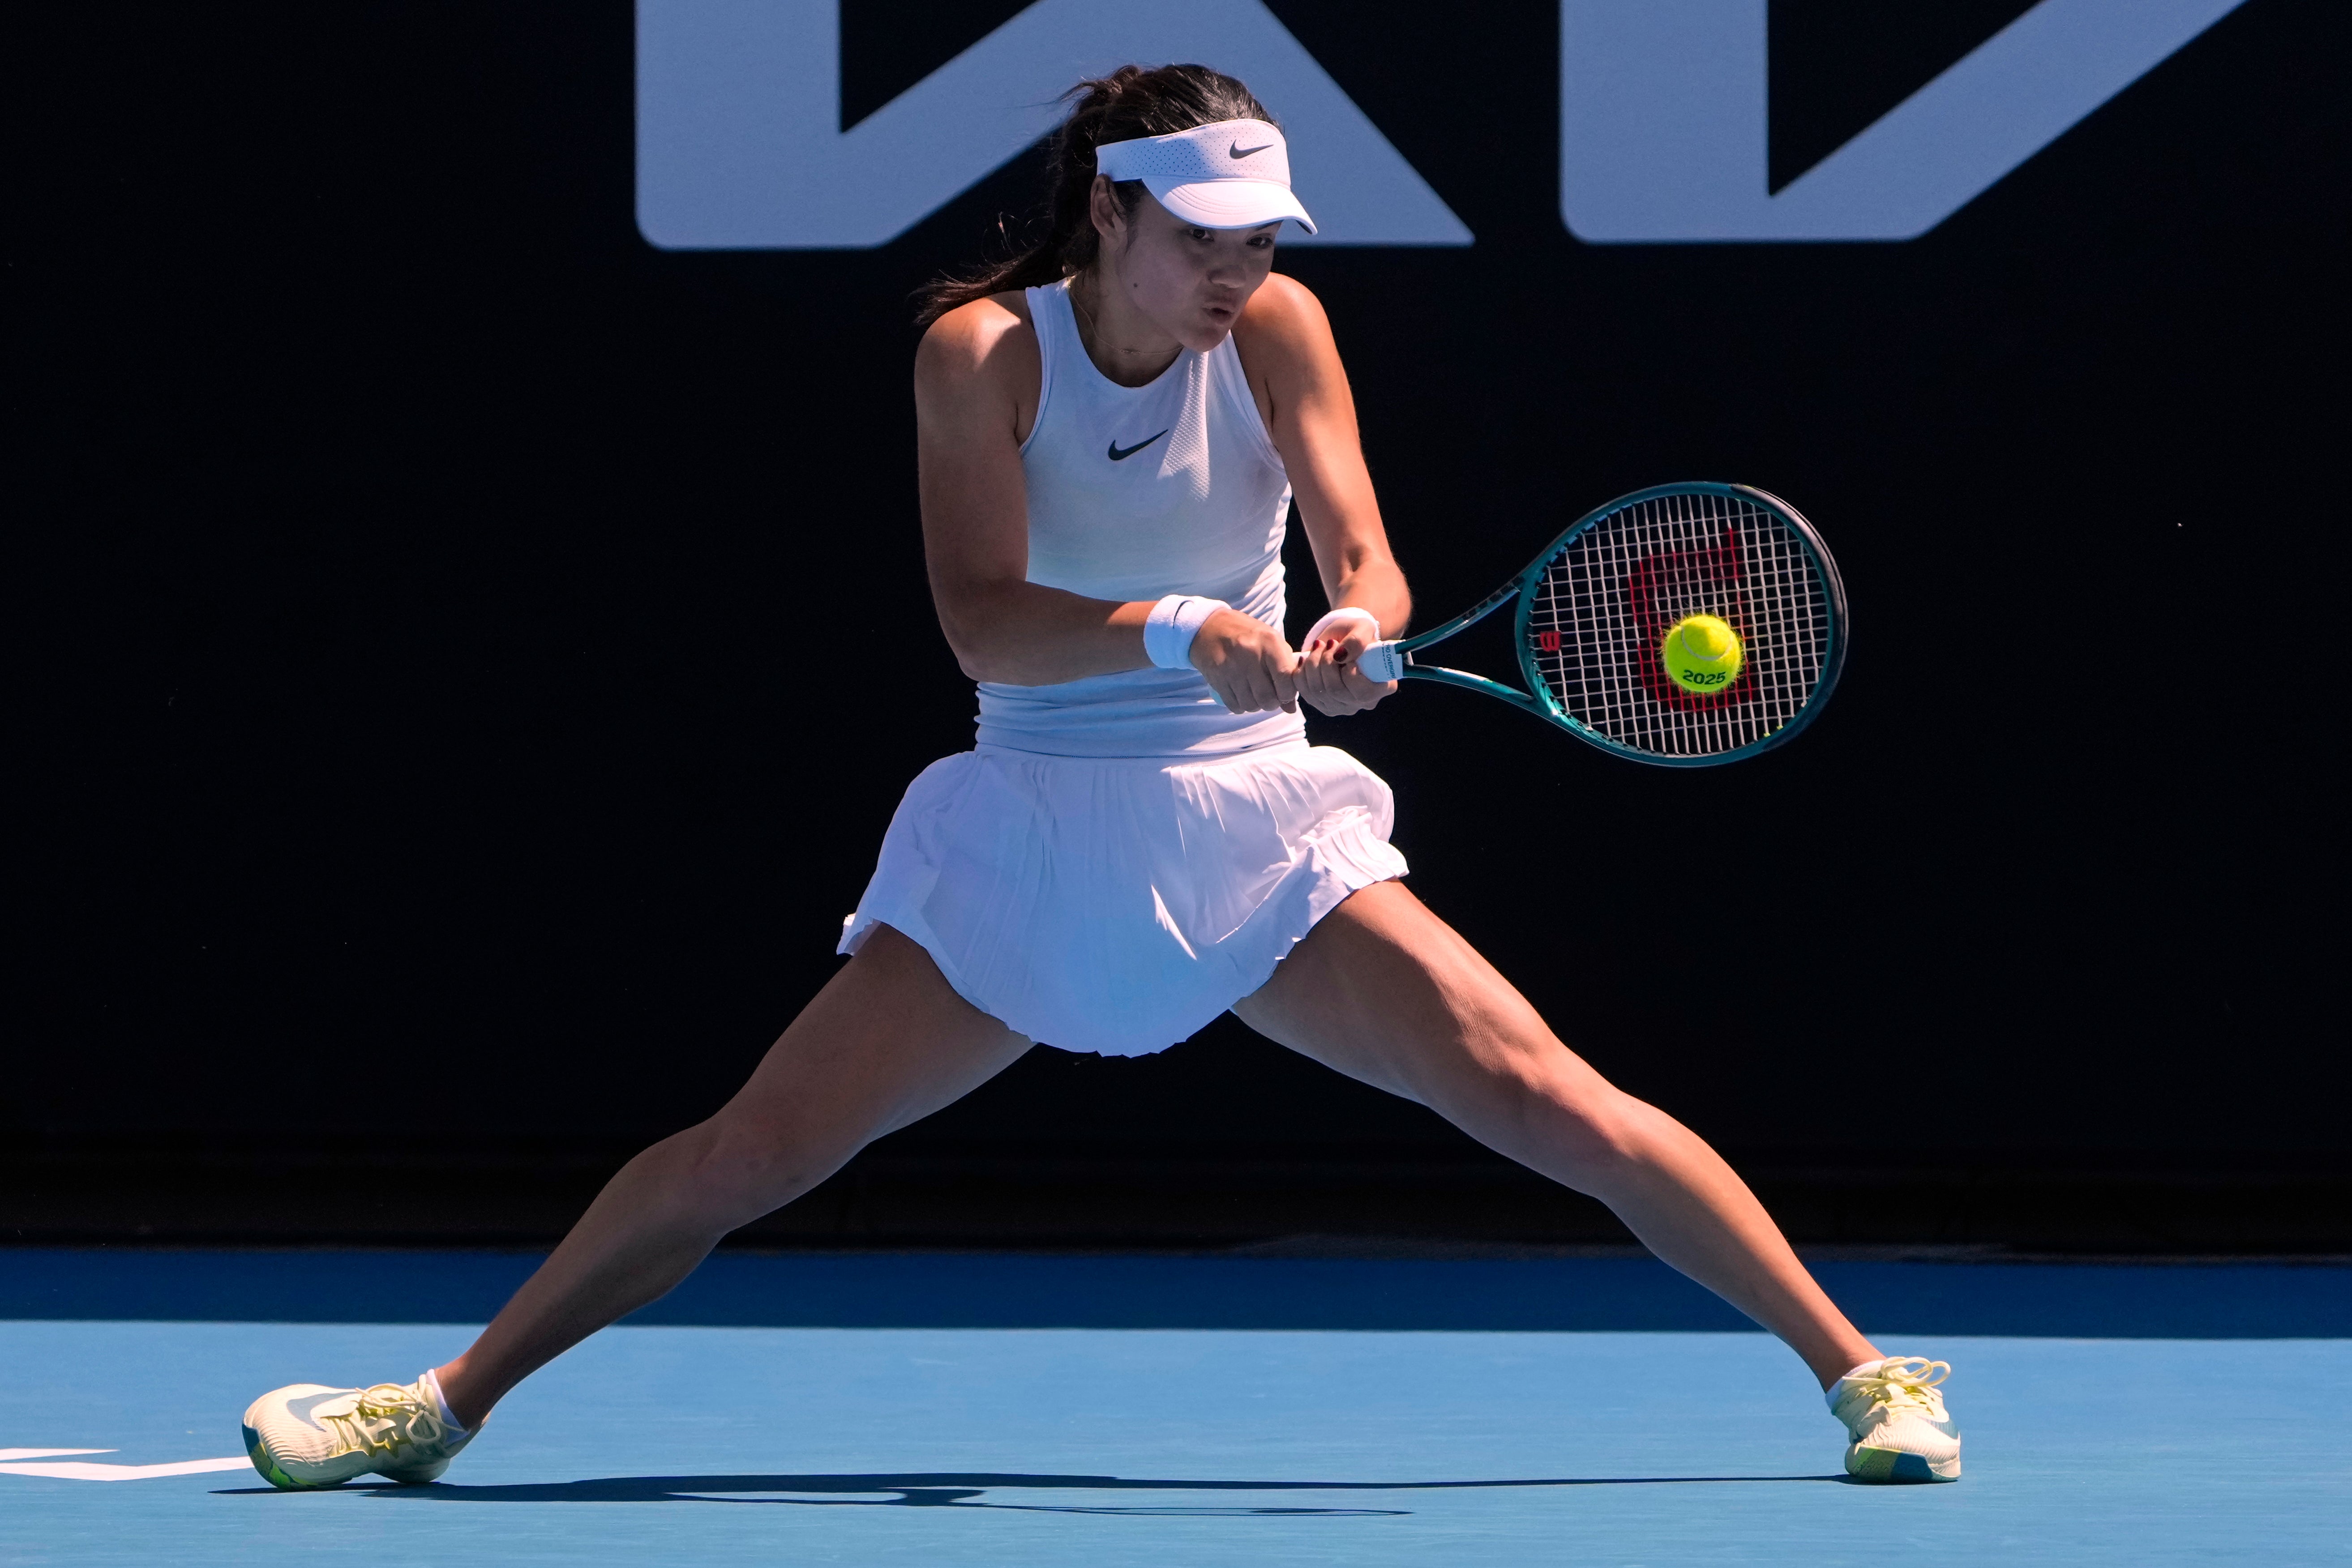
x: 1233, y: 175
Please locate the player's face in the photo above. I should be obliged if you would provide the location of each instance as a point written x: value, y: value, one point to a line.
x: 1189, y: 281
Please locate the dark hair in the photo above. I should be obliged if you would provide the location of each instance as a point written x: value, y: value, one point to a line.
x: 1129, y: 102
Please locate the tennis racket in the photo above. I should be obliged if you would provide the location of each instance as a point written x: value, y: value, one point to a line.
x: 1596, y: 608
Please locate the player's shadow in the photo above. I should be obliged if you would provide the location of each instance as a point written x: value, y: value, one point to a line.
x: 965, y: 1491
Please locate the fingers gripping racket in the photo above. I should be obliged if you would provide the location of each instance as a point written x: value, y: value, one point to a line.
x: 1684, y: 625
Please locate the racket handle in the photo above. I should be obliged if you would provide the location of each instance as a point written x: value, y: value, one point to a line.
x: 1381, y: 662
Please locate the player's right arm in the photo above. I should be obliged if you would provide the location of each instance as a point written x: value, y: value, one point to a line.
x: 977, y: 376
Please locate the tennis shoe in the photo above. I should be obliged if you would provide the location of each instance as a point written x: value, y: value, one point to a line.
x: 1895, y: 1413
x: 309, y: 1434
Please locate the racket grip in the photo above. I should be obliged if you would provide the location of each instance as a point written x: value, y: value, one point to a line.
x: 1381, y: 662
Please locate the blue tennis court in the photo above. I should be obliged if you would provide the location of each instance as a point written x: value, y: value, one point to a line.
x: 1048, y: 1410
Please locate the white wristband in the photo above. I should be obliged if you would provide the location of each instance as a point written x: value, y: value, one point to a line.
x: 1345, y: 612
x: 1174, y: 622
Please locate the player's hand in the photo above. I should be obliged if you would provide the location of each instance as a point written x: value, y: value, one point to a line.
x: 1328, y: 676
x: 1246, y: 662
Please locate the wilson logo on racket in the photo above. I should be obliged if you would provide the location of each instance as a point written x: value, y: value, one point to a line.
x: 1670, y: 590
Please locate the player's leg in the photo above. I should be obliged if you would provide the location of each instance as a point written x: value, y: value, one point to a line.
x: 1384, y: 991
x: 885, y: 1043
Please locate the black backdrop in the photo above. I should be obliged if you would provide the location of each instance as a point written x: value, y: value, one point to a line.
x: 470, y: 656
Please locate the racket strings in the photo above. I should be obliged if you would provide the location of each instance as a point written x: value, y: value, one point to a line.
x: 1605, y: 605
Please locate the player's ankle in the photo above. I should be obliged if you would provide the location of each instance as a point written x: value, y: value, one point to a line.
x: 1832, y: 1366
x: 458, y: 1397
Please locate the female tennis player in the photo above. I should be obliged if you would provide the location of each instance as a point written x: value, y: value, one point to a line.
x: 1112, y: 429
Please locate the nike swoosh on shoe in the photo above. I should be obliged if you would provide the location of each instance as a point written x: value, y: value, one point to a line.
x: 301, y: 1409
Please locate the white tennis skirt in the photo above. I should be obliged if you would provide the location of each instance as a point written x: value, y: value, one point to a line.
x: 1118, y: 905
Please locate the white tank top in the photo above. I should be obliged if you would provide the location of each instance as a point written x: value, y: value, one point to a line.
x: 1134, y: 493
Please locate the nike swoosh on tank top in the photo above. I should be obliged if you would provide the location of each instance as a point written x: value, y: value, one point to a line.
x: 1137, y: 492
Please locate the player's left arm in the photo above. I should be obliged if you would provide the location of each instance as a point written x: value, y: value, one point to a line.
x: 1295, y: 371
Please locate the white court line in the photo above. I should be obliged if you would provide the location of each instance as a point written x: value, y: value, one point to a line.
x: 91, y: 1472
x: 47, y: 1453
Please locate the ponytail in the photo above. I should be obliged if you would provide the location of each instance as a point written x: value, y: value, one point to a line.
x: 1129, y: 102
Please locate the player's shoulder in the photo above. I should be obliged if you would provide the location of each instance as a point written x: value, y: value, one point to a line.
x: 1282, y: 318
x: 978, y: 341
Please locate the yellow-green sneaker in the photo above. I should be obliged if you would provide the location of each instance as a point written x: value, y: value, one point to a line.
x: 309, y: 1434
x: 1895, y: 1414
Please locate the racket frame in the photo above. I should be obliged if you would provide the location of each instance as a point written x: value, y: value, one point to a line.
x: 1537, y: 699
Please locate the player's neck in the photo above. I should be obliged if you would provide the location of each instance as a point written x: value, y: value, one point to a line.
x: 1127, y: 346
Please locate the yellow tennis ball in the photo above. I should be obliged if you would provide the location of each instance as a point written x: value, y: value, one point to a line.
x: 1701, y: 653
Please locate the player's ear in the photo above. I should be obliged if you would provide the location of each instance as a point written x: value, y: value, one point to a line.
x: 1102, y: 206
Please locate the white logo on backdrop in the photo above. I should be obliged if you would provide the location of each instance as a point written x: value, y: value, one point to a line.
x: 739, y: 143
x: 1662, y: 119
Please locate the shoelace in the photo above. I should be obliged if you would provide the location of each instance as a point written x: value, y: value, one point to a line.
x: 1907, y: 1381
x: 388, y: 1419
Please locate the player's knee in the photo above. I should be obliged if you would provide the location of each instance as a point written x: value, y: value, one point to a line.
x: 1606, y: 1135
x: 1567, y: 1111
x: 732, y: 1172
